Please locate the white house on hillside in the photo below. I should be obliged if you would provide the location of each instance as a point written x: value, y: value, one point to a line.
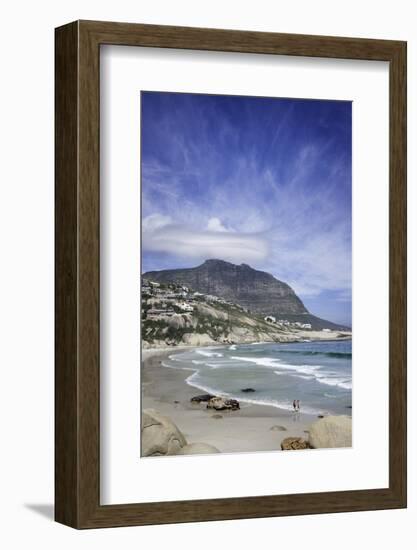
x: 185, y: 307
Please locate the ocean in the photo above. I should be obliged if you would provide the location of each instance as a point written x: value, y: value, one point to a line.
x: 318, y: 374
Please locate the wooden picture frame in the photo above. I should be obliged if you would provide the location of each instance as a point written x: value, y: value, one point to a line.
x: 77, y: 382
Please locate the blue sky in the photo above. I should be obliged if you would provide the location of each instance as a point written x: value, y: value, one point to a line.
x: 262, y: 181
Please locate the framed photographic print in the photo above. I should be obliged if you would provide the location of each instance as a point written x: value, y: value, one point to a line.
x: 230, y: 274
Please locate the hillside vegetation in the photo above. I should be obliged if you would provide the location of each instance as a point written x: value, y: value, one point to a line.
x: 175, y: 315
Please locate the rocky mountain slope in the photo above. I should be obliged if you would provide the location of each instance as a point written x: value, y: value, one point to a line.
x: 255, y: 290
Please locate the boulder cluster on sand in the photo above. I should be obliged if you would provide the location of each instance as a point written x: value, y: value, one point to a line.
x: 223, y: 404
x: 161, y: 437
x: 294, y: 444
x: 215, y: 402
x: 327, y: 433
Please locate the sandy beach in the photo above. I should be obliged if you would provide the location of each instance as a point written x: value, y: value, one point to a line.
x: 252, y: 428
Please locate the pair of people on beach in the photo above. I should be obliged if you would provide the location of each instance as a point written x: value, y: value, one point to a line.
x: 296, y: 405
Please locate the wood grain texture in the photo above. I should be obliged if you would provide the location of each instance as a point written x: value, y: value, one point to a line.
x: 66, y: 237
x: 78, y: 285
x: 398, y: 273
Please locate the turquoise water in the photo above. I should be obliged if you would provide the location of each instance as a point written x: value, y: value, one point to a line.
x: 319, y: 374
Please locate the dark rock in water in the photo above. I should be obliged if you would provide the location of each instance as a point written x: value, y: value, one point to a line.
x: 349, y: 406
x: 294, y: 444
x: 320, y: 416
x: 221, y: 404
x: 201, y: 398
x: 176, y: 402
x: 247, y: 390
x: 277, y: 428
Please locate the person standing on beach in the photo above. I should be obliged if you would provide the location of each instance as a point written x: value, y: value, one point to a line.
x: 298, y: 405
x: 294, y: 405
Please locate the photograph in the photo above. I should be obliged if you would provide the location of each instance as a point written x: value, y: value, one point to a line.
x: 246, y: 302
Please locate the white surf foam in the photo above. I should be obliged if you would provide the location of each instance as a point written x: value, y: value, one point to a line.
x: 337, y: 382
x: 274, y: 363
x: 208, y: 353
x: 301, y: 371
x: 262, y: 361
x: 191, y: 381
x: 177, y: 367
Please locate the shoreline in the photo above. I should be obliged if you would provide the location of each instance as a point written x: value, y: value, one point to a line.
x: 255, y: 427
x: 302, y: 336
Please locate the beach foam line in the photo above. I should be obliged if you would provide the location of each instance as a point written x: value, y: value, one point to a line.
x: 328, y: 378
x: 270, y: 362
x: 336, y: 382
x: 175, y: 367
x: 311, y: 370
x: 209, y: 353
x: 286, y: 373
x: 311, y: 373
x: 178, y: 356
x: 191, y: 382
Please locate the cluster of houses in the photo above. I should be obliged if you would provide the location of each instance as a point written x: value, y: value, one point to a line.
x: 174, y: 299
x: 289, y: 324
x: 170, y: 298
x: 215, y: 299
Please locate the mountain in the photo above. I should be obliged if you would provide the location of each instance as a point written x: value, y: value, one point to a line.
x: 173, y: 315
x: 255, y: 290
